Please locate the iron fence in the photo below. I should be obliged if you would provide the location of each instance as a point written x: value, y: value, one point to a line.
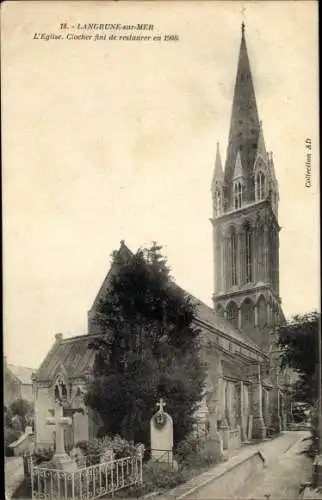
x: 164, y: 457
x: 85, y: 483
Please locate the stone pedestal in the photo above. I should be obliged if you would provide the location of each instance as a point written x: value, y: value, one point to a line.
x: 224, y: 432
x: 64, y: 462
x: 214, y: 436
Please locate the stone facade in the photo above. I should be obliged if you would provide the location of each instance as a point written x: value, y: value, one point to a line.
x: 245, y: 220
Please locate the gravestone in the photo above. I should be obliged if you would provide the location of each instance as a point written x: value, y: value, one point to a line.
x: 61, y: 459
x: 161, y: 429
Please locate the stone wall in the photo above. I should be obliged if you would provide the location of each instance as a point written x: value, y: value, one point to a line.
x: 43, y: 403
x: 27, y: 392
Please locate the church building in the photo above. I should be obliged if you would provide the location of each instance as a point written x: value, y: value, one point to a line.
x: 244, y: 396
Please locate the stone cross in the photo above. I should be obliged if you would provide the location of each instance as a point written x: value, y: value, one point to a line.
x: 161, y: 404
x: 59, y: 421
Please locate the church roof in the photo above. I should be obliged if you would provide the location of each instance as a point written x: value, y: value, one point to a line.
x: 22, y: 373
x: 207, y: 315
x: 123, y: 253
x: 71, y: 353
x: 77, y: 359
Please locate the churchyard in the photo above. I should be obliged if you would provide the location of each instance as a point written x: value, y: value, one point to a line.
x: 111, y: 465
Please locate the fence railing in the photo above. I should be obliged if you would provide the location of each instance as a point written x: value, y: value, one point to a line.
x: 86, y: 483
x: 164, y: 457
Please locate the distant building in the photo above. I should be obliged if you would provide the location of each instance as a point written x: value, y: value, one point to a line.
x: 17, y: 383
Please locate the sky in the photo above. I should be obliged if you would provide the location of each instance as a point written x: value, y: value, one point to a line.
x: 109, y: 140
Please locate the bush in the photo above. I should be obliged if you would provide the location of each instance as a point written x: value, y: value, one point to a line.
x: 42, y: 456
x: 156, y: 476
x: 195, y: 453
x: 187, y: 449
x: 95, y: 448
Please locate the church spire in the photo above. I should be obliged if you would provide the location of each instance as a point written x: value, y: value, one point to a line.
x: 244, y: 125
x: 218, y: 171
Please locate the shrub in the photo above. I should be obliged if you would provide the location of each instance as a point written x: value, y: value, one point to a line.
x: 156, y: 476
x: 95, y: 448
x: 187, y: 449
x: 42, y: 456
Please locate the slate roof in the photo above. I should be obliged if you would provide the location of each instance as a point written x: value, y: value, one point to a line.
x: 22, y: 373
x: 207, y: 315
x: 77, y: 359
x: 73, y: 354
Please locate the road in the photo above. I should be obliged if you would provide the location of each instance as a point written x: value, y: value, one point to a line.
x: 286, y: 469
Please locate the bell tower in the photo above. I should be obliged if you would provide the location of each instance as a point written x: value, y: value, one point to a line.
x: 245, y: 219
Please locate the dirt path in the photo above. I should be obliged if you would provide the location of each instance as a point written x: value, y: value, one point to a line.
x: 286, y: 469
x: 13, y: 474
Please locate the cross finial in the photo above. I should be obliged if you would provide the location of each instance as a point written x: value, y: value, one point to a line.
x: 161, y: 404
x: 243, y: 10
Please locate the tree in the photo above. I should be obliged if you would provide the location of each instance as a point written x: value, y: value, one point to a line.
x: 21, y: 413
x: 151, y: 349
x: 298, y: 340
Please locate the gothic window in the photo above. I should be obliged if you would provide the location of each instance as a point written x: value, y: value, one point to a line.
x: 233, y: 249
x: 232, y: 313
x: 260, y: 186
x: 235, y: 196
x: 262, y: 312
x: 248, y: 254
x: 218, y: 203
x: 238, y: 195
x: 247, y: 313
x: 260, y: 254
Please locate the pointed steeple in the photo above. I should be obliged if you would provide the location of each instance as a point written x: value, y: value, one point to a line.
x: 261, y: 148
x: 244, y: 125
x: 272, y: 170
x: 218, y: 171
x: 238, y: 171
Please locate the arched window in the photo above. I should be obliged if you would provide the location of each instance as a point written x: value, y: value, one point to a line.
x: 260, y: 253
x: 232, y: 313
x: 218, y: 202
x: 247, y: 314
x: 238, y: 195
x: 248, y: 254
x: 260, y: 186
x: 262, y: 312
x: 233, y: 250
